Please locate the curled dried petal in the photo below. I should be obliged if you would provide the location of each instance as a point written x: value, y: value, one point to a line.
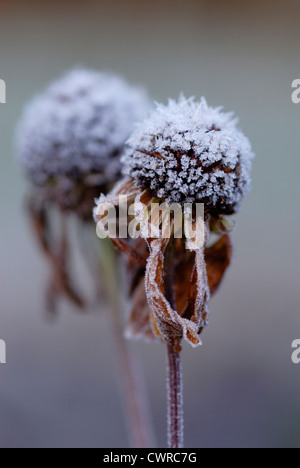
x: 218, y: 258
x: 57, y: 255
x: 124, y: 190
x: 202, y: 295
x: 188, y: 315
x: 167, y: 323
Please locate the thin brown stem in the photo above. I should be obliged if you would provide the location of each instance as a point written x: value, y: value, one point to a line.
x: 175, y: 398
x: 132, y: 391
x: 174, y: 370
x: 131, y: 382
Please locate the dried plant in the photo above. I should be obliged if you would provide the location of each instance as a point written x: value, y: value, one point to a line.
x: 184, y: 153
x: 69, y: 144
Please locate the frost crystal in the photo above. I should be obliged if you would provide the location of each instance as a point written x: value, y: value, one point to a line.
x: 190, y: 152
x: 78, y: 126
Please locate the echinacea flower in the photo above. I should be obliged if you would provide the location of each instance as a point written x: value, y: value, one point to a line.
x: 69, y: 143
x: 72, y: 135
x: 184, y: 153
x: 188, y: 152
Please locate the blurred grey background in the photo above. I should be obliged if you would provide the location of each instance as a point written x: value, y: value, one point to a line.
x: 241, y: 388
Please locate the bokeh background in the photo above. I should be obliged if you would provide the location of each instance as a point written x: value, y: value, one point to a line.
x: 241, y: 389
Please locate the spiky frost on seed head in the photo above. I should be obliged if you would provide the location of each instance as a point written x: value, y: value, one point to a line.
x: 188, y: 152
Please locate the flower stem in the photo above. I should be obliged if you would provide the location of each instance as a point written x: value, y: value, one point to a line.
x: 175, y: 398
x: 174, y: 370
x: 133, y: 393
x: 131, y: 382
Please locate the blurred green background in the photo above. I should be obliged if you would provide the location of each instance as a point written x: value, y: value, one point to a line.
x: 241, y: 388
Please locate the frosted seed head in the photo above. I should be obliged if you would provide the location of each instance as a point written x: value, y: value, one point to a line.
x: 79, y: 125
x: 187, y: 150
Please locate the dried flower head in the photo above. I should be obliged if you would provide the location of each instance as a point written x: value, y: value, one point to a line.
x: 71, y: 136
x: 78, y: 126
x: 188, y: 152
x: 69, y: 143
x: 185, y: 152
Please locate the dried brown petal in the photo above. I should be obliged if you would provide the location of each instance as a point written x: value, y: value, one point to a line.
x: 167, y: 323
x: 217, y: 258
x: 183, y: 276
x: 191, y: 294
x: 125, y: 248
x: 127, y: 189
x: 58, y: 257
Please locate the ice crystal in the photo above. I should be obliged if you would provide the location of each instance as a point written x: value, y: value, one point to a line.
x: 189, y: 152
x: 79, y: 125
